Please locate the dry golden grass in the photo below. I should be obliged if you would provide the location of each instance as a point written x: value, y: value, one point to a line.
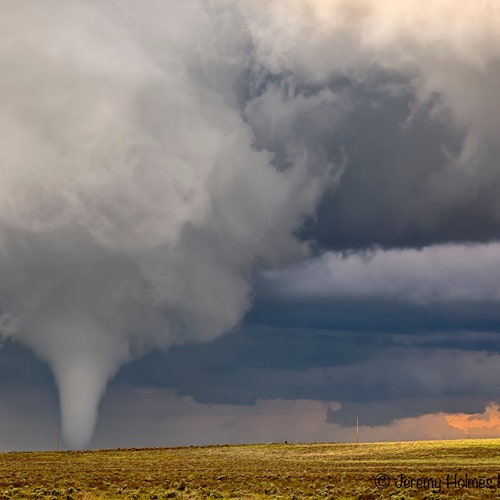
x: 259, y: 471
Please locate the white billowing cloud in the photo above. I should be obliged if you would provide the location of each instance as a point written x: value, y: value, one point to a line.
x: 450, y: 47
x: 441, y: 273
x: 133, y: 205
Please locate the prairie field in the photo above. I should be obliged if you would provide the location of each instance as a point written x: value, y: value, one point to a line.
x: 418, y: 469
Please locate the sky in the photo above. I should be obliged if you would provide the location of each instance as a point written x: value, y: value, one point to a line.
x: 248, y: 221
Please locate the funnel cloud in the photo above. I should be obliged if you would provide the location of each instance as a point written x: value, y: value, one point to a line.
x: 134, y: 206
x: 157, y: 156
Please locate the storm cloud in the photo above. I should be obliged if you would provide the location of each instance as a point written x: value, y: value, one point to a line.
x: 161, y: 158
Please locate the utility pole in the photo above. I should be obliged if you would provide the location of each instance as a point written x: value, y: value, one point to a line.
x: 357, y: 430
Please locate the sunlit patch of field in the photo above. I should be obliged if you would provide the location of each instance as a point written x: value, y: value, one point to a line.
x: 419, y: 469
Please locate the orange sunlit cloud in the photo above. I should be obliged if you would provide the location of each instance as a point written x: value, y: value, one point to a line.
x: 478, y: 424
x: 434, y: 426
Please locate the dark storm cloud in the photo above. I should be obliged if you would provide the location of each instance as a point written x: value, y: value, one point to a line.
x: 398, y: 188
x: 383, y: 412
x: 363, y: 355
x: 19, y: 366
x: 29, y: 417
x: 157, y: 157
x: 409, y: 105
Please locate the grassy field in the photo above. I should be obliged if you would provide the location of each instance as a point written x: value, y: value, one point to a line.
x: 420, y: 469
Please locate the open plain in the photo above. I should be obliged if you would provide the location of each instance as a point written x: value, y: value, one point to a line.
x: 419, y: 469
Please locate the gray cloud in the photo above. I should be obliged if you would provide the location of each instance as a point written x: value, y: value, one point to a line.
x: 435, y: 274
x: 401, y: 186
x: 156, y: 156
x: 373, y: 370
x: 421, y: 135
x: 28, y: 415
